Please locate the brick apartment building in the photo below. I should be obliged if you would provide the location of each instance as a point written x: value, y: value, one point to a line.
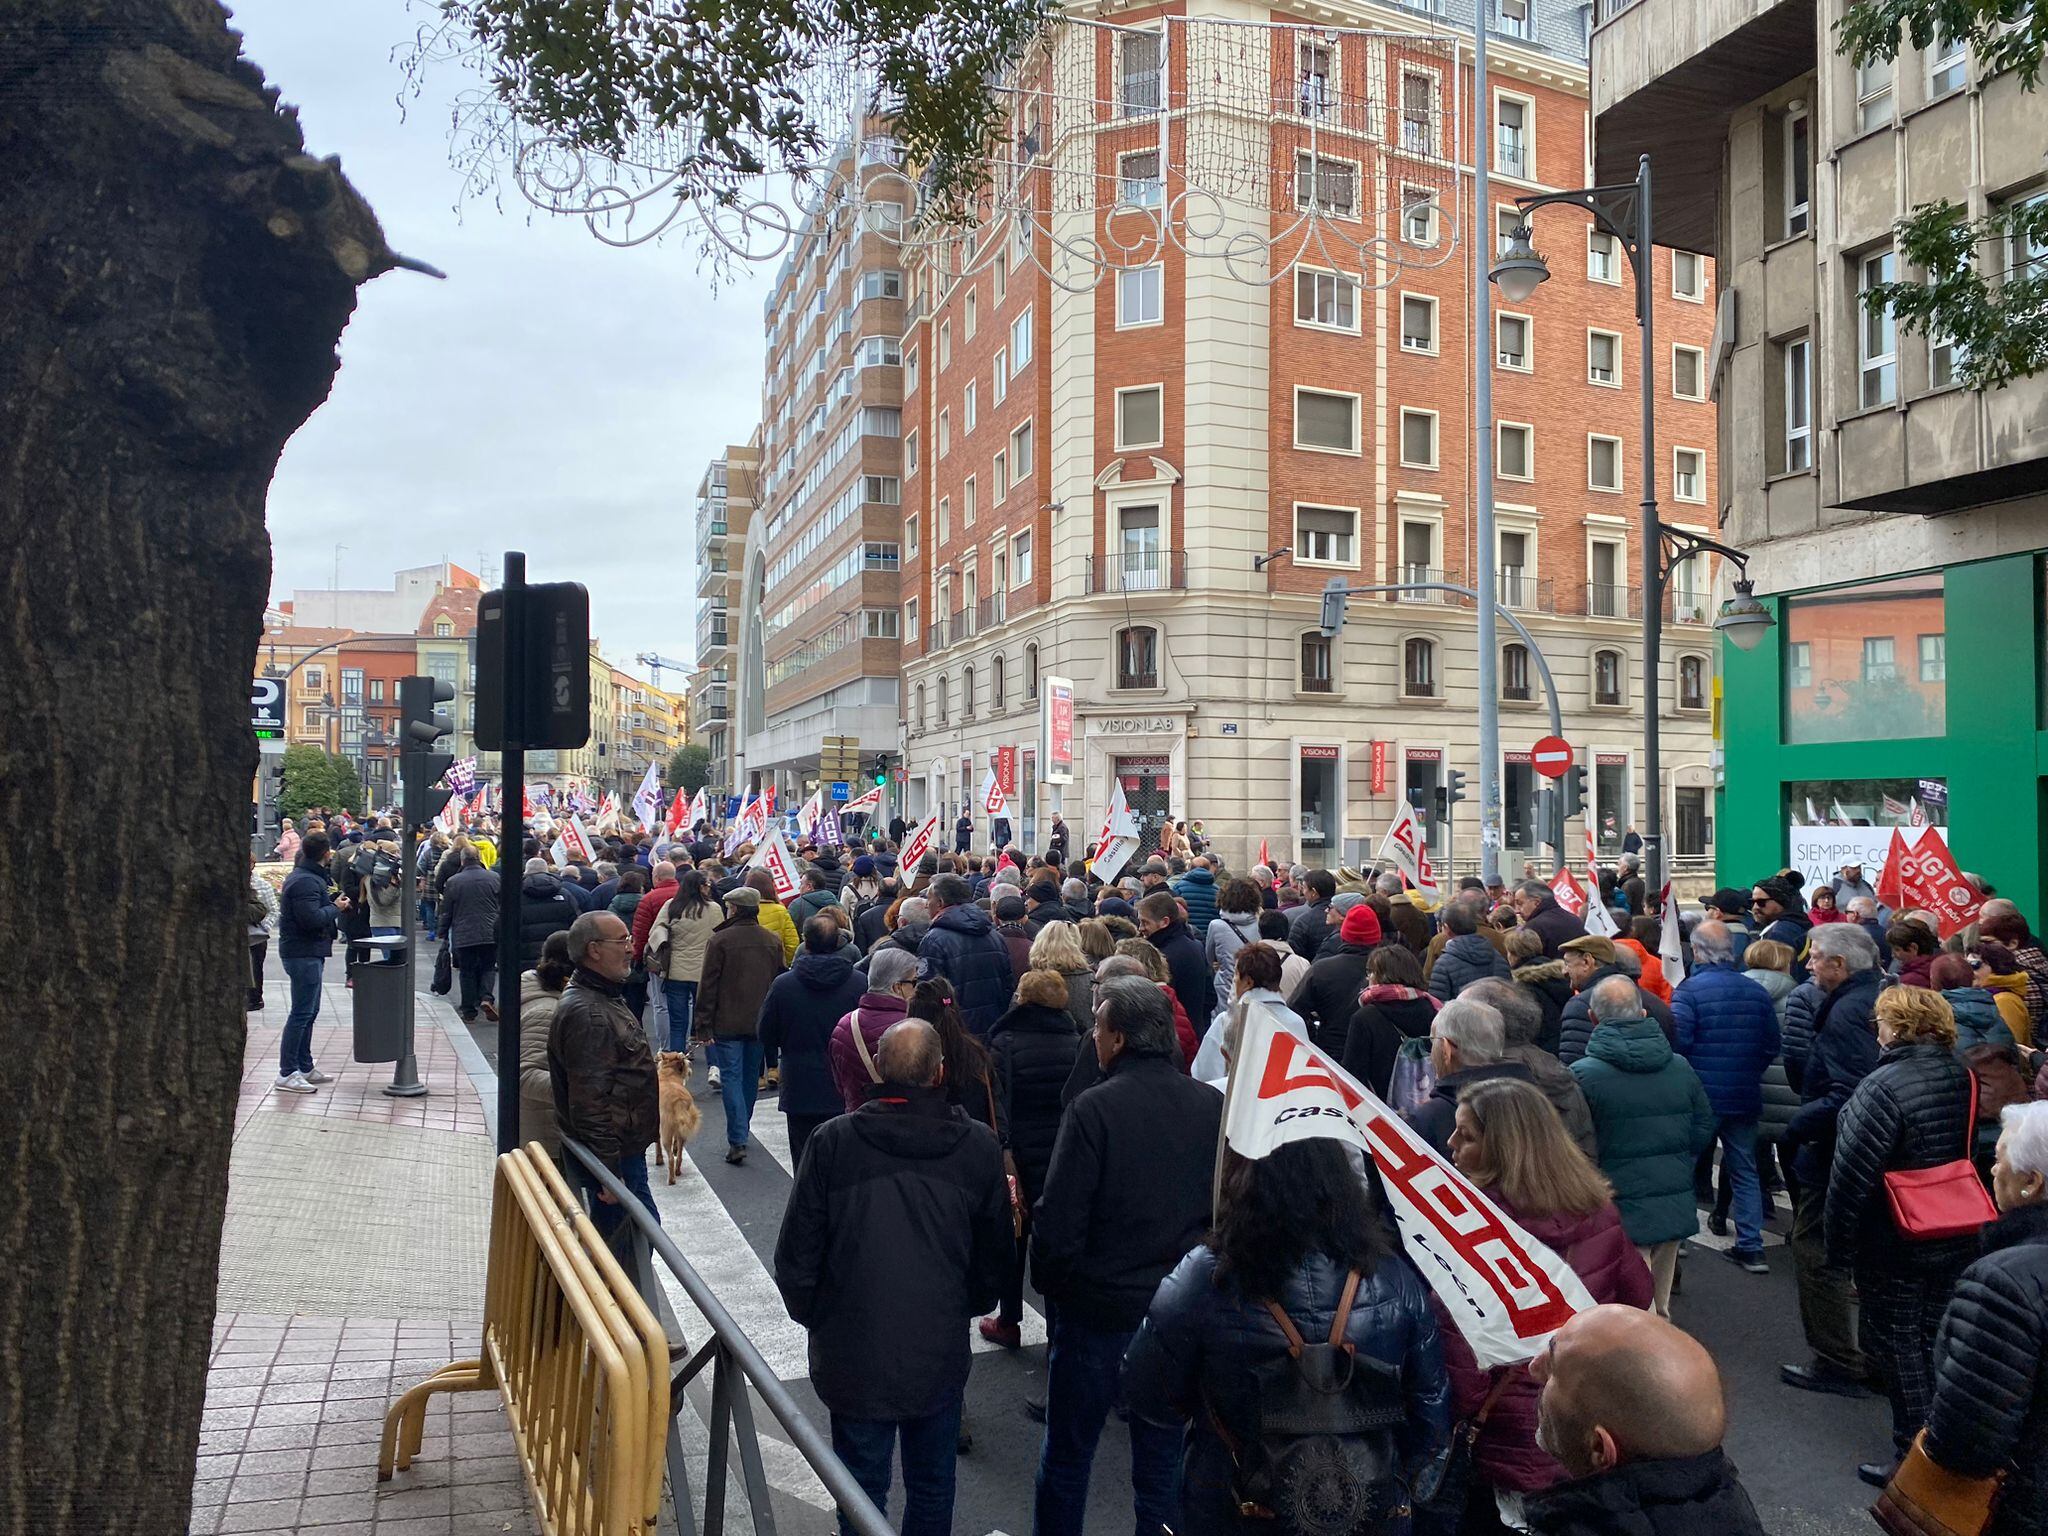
x: 1093, y: 472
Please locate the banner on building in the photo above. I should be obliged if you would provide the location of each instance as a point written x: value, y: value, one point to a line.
x: 1379, y: 767
x: 1505, y: 1292
x: 1057, y: 728
x: 1005, y: 764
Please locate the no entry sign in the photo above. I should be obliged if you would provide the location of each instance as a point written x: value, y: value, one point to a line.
x: 1551, y: 757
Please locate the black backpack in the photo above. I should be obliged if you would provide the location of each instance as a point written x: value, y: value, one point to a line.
x: 1321, y: 1458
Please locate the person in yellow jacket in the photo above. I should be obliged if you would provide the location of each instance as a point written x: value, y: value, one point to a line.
x: 1999, y: 972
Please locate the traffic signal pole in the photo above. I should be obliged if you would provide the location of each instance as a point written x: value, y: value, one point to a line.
x: 511, y: 850
x: 422, y: 728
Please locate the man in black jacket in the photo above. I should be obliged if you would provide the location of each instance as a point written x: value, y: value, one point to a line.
x: 469, y: 920
x: 1589, y: 960
x: 1328, y: 994
x: 1305, y: 928
x: 1536, y: 905
x: 601, y: 1067
x: 963, y: 946
x: 1467, y: 1044
x: 1160, y: 921
x: 897, y: 1233
x: 305, y: 938
x: 1126, y: 1197
x: 1632, y: 1408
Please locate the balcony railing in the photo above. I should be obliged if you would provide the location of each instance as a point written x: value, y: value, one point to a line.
x: 1604, y: 600
x: 994, y: 610
x: 1606, y: 10
x: 1148, y: 570
x: 1688, y: 608
x: 1524, y: 594
x: 1417, y: 575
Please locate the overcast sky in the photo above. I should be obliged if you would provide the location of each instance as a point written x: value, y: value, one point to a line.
x: 553, y: 395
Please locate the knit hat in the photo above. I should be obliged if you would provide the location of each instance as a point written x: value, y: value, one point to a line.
x: 1780, y: 890
x: 1116, y: 906
x: 1045, y: 893
x: 1361, y: 925
x: 863, y: 867
x: 1009, y: 909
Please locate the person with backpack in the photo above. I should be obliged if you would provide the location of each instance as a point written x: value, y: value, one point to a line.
x: 384, y: 890
x: 1296, y: 1287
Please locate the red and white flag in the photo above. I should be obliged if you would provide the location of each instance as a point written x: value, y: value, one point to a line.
x: 774, y: 856
x: 871, y: 802
x: 994, y: 803
x: 808, y: 813
x: 698, y: 813
x: 1118, y: 839
x: 675, y: 814
x: 1570, y: 895
x: 1505, y: 1292
x: 1926, y: 877
x: 917, y: 845
x: 577, y: 841
x: 1407, y: 845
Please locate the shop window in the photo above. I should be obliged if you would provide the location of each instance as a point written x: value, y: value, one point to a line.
x: 1137, y: 657
x: 1321, y: 819
x: 1843, y: 679
x: 1418, y: 669
x: 1316, y: 664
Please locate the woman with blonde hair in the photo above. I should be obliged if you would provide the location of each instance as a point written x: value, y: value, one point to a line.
x: 1510, y: 1142
x: 1058, y: 948
x: 1098, y: 943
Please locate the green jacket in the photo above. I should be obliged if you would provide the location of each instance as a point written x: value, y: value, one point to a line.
x: 1653, y: 1121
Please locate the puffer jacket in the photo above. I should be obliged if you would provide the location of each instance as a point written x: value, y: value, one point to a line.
x: 803, y: 1006
x: 1651, y: 975
x: 1675, y: 1496
x: 1597, y: 1248
x: 544, y: 908
x: 1550, y: 989
x: 536, y: 1090
x: 1197, y: 892
x: 1728, y: 1029
x: 1990, y: 1384
x: 963, y: 946
x: 1653, y: 1119
x: 689, y: 937
x: 1978, y: 1018
x: 1466, y: 958
x: 1204, y: 1343
x: 1780, y: 1098
x: 872, y: 1016
x: 1226, y: 934
x: 1801, y: 1008
x: 1080, y: 998
x: 1575, y: 1026
x: 1791, y: 930
x: 1844, y: 1051
x: 1912, y: 1110
x: 602, y: 1071
x: 776, y: 920
x: 1034, y: 1050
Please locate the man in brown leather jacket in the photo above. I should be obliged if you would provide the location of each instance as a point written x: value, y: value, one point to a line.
x: 741, y: 962
x: 602, y: 1067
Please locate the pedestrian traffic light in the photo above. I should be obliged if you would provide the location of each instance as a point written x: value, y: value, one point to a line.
x: 1335, y: 594
x: 1456, y: 792
x: 881, y: 768
x: 1574, y: 786
x: 423, y: 766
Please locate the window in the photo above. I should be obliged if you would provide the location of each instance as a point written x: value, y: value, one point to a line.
x: 967, y: 686
x: 881, y: 285
x: 1933, y: 658
x: 316, y: 678
x: 970, y: 318
x: 1327, y: 185
x: 1856, y: 687
x: 1313, y: 97
x: 1020, y: 559
x: 945, y: 697
x: 443, y: 629
x: 2027, y: 255
x: 1418, y: 439
x: 1512, y: 120
x: 998, y: 683
x: 1514, y: 341
x: 1873, y: 94
x: 920, y: 706
x: 1325, y: 421
x: 1512, y: 18
x: 1799, y: 664
x: 1507, y: 223
x: 1798, y: 173
x: 910, y: 452
x: 999, y: 476
x: 1000, y: 385
x: 1140, y: 557
x: 1325, y: 535
x: 1688, y: 474
x: 945, y: 433
x: 376, y: 690
x: 1020, y: 454
x: 1515, y: 457
x: 1512, y: 565
x: 1880, y: 659
x: 878, y: 623
x: 1418, y: 113
x: 1139, y: 87
x: 1603, y: 463
x: 1137, y: 658
x: 1877, y: 338
x: 1031, y: 671
x: 1418, y: 558
x: 1514, y: 673
x: 1944, y: 357
x: 1602, y: 257
x: 970, y: 502
x: 1607, y: 677
x: 910, y: 372
x: 1140, y: 296
x: 1138, y: 182
x: 1418, y: 216
x: 1603, y: 357
x: 1798, y: 404
x: 942, y: 525
x: 1688, y: 276
x: 1138, y: 418
x: 910, y: 537
x: 1020, y: 341
x: 1418, y: 323
x: 970, y: 406
x: 1692, y: 683
x: 1418, y: 669
x: 1315, y: 664
x: 1327, y: 299
x: 945, y: 345
x: 1688, y: 373
x: 1948, y: 65
x: 999, y: 277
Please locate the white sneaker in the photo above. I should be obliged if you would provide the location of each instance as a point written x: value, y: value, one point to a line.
x: 316, y: 1077
x: 295, y: 1083
x: 711, y: 1077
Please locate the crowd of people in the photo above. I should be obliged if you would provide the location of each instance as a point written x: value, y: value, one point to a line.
x: 998, y: 1069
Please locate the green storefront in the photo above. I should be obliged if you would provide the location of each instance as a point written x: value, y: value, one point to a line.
x: 1919, y: 698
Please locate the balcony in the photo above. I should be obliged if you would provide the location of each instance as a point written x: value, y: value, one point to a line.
x: 1666, y: 77
x: 1605, y: 600
x: 1524, y: 594
x: 993, y: 610
x: 1687, y: 608
x: 1144, y: 570
x: 1418, y: 575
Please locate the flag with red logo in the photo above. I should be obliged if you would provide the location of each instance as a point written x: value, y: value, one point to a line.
x: 698, y: 813
x: 1570, y: 895
x: 871, y: 801
x: 675, y: 814
x: 918, y: 844
x: 774, y: 856
x: 995, y: 801
x: 1505, y: 1292
x: 808, y: 813
x: 1925, y: 877
x: 577, y: 841
x: 1407, y: 845
x: 1119, y: 837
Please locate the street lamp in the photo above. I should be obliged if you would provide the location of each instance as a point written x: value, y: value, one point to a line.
x: 1623, y: 211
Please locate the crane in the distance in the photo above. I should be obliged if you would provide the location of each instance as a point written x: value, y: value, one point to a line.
x: 654, y: 661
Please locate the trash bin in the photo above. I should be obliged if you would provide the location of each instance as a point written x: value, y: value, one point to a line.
x: 379, y: 993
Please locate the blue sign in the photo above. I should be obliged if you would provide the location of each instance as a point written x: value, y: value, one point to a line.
x: 840, y: 791
x: 732, y: 806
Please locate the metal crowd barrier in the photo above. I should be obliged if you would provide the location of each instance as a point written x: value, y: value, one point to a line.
x: 580, y: 1359
x: 736, y: 1366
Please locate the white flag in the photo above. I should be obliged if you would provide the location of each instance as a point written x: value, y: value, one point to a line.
x: 647, y: 798
x: 699, y: 812
x: 994, y: 803
x: 559, y: 852
x: 1409, y: 848
x: 870, y: 802
x: 774, y: 856
x: 917, y: 845
x: 1599, y: 917
x: 1670, y: 942
x: 1812, y: 816
x: 1505, y: 1292
x: 577, y: 840
x: 1118, y: 840
x: 1837, y: 816
x: 808, y: 813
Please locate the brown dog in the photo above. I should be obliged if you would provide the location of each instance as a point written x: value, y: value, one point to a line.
x: 679, y: 1114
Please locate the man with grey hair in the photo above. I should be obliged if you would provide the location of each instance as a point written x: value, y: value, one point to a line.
x: 1074, y: 897
x: 1522, y: 1020
x: 1726, y: 1025
x: 1125, y: 1197
x: 896, y: 1235
x: 1536, y: 905
x: 1843, y: 964
x: 602, y: 1068
x: 884, y: 1002
x: 1467, y: 1044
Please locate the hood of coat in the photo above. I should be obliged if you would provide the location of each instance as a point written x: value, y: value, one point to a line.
x: 1560, y: 1229
x: 1539, y: 971
x: 969, y: 920
x: 1777, y: 983
x: 1973, y: 1003
x: 878, y: 1010
x: 822, y: 973
x: 1473, y: 949
x: 541, y: 887
x: 1630, y: 1045
x: 1200, y: 877
x: 1035, y: 1018
x: 532, y: 993
x: 2016, y: 984
x: 917, y: 1124
x: 1246, y: 923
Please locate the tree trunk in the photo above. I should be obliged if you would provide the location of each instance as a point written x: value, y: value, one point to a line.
x: 175, y: 272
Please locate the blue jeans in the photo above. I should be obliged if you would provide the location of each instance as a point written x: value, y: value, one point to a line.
x: 739, y: 1084
x: 632, y: 1172
x: 682, y: 1006
x: 929, y: 1447
x: 1083, y: 1370
x: 295, y: 1050
x: 1738, y: 1164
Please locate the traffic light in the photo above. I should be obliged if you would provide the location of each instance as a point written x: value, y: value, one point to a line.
x: 1456, y: 792
x: 881, y: 768
x: 1335, y: 594
x: 424, y: 727
x: 1574, y: 787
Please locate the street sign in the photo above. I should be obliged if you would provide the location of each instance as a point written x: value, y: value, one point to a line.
x: 266, y: 708
x: 841, y: 792
x: 1551, y: 757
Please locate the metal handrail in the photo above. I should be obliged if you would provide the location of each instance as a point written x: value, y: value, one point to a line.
x: 726, y: 1351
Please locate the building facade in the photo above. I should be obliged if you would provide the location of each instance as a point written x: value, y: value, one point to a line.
x: 725, y: 512
x: 373, y: 610
x: 1140, y: 485
x: 1895, y: 520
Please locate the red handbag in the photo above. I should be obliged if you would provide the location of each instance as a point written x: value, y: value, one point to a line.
x: 1946, y: 1201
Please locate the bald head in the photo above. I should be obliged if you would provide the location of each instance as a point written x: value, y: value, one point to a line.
x: 910, y: 1054
x: 1622, y: 1385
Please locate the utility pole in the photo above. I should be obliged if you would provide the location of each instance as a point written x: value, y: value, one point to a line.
x: 1482, y: 430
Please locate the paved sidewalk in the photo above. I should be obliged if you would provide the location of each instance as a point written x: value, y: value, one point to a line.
x: 352, y: 1266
